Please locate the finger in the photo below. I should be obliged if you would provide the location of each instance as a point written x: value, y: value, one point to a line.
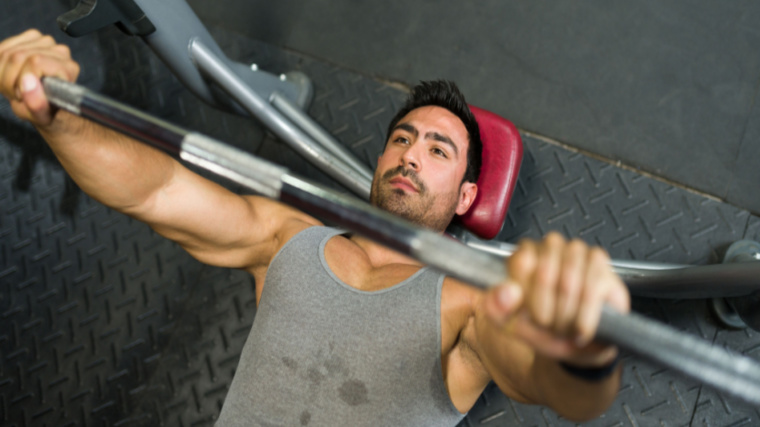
x: 55, y: 59
x: 12, y: 49
x: 541, y: 297
x: 548, y: 344
x: 28, y: 87
x: 11, y: 70
x: 619, y: 298
x: 618, y: 295
x: 35, y: 100
x: 26, y: 36
x: 542, y: 340
x: 522, y: 263
x: 570, y: 286
x: 33, y: 105
x: 502, y: 302
x: 598, y: 282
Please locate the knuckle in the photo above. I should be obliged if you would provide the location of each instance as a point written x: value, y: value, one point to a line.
x: 568, y: 286
x: 33, y: 32
x: 524, y: 256
x: 544, y: 279
x: 597, y: 254
x: 64, y: 49
x: 17, y: 57
x: 553, y: 238
x: 47, y: 39
x: 525, y: 244
x: 35, y: 60
x: 577, y: 246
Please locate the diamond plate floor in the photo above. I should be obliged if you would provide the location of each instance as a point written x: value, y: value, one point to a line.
x: 104, y: 323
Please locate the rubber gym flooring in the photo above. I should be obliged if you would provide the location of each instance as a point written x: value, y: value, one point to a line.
x: 104, y: 323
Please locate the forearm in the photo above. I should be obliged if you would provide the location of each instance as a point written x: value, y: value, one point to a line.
x: 114, y: 169
x: 508, y: 349
x: 572, y: 397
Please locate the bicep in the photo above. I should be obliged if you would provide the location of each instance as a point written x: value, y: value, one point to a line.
x: 215, y: 225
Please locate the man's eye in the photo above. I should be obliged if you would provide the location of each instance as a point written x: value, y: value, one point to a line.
x: 439, y: 152
x: 402, y: 140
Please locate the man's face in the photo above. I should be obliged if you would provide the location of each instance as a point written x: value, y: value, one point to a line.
x: 419, y: 175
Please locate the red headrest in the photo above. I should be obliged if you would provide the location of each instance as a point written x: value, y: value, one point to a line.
x: 502, y: 155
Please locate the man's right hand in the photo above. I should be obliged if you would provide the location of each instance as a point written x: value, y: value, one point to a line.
x: 24, y: 59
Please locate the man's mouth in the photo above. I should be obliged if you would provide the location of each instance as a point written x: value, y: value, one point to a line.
x: 403, y: 183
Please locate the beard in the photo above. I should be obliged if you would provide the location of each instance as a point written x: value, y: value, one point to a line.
x: 421, y: 208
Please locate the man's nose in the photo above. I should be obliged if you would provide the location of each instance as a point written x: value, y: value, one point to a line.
x: 410, y: 158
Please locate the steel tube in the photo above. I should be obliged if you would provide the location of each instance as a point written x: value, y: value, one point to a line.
x: 687, y: 354
x: 663, y: 280
x: 729, y: 372
x: 123, y: 118
x: 214, y: 68
x: 319, y: 135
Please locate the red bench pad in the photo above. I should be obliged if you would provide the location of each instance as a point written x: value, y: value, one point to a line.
x: 502, y: 155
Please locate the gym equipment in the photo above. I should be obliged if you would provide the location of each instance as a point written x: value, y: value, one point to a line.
x: 739, y: 311
x: 715, y: 366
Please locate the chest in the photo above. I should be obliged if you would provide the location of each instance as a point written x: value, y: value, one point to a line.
x: 352, y: 266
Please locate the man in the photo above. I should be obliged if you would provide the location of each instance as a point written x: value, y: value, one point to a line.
x: 347, y: 331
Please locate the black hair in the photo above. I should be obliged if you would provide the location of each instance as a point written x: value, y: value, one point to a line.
x: 446, y: 94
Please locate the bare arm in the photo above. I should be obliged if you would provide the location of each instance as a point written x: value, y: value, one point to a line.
x: 547, y: 314
x: 212, y: 223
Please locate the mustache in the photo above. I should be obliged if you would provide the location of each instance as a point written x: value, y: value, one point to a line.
x: 406, y: 173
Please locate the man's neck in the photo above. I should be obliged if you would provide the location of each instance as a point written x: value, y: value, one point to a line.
x: 380, y: 255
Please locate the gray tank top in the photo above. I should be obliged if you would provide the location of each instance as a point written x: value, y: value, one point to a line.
x: 323, y: 353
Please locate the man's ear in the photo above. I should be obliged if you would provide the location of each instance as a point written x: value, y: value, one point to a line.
x: 467, y: 194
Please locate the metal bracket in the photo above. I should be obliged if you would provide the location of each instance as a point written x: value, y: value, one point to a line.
x: 92, y: 15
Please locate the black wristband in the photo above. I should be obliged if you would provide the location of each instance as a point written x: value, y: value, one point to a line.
x: 591, y: 374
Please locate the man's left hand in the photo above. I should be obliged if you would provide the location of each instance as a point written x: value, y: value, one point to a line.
x: 554, y: 297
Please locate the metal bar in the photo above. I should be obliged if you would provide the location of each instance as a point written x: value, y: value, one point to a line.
x: 213, y: 67
x: 662, y: 280
x: 703, y: 281
x: 729, y: 372
x: 624, y: 267
x: 121, y: 117
x: 303, y: 121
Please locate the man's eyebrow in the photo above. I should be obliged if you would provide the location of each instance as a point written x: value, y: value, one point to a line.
x: 445, y: 139
x: 407, y: 127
